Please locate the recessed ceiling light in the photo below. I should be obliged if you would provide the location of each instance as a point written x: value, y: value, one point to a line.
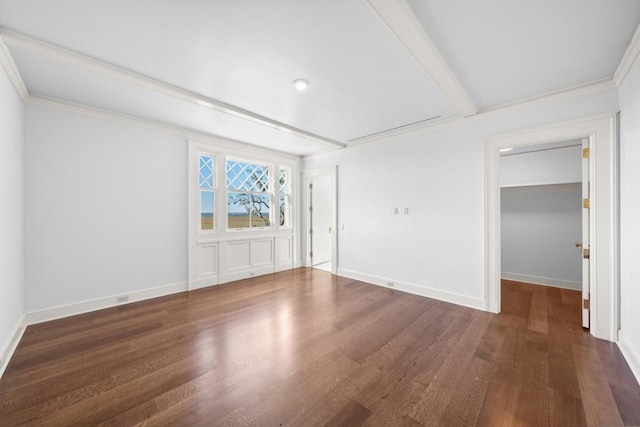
x: 300, y: 84
x: 504, y: 150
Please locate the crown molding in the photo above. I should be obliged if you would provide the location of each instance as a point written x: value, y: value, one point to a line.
x: 241, y: 146
x: 505, y: 138
x: 144, y: 81
x: 403, y: 23
x: 629, y: 57
x: 547, y: 98
x: 9, y: 65
x: 554, y: 96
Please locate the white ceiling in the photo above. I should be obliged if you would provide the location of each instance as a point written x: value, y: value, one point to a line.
x: 226, y: 67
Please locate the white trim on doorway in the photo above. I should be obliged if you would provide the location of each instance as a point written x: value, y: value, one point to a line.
x: 601, y: 132
x: 307, y: 177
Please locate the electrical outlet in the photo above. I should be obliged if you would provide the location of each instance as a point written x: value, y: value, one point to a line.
x: 391, y: 284
x: 123, y: 299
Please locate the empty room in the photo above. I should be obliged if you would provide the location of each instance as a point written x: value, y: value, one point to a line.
x: 308, y: 213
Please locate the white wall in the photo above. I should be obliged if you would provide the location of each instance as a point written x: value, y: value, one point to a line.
x: 438, y: 249
x: 556, y: 166
x: 629, y: 214
x: 541, y: 216
x: 11, y: 209
x: 105, y: 208
x: 540, y: 225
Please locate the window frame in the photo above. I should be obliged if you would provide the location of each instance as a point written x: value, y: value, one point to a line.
x: 288, y: 197
x: 270, y: 193
x: 214, y: 189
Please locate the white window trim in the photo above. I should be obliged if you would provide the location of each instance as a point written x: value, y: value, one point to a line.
x: 214, y: 188
x: 271, y: 193
x: 220, y: 237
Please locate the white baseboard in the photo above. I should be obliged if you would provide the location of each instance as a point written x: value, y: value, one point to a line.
x: 246, y: 274
x: 411, y: 288
x: 545, y: 281
x: 59, y: 312
x: 630, y: 353
x: 100, y: 303
x: 284, y: 267
x: 203, y: 283
x: 11, y: 345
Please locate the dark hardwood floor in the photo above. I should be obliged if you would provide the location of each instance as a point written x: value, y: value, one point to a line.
x: 305, y: 348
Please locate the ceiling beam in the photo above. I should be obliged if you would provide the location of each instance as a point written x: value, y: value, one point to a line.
x: 128, y: 119
x: 511, y: 107
x: 399, y: 18
x: 141, y: 80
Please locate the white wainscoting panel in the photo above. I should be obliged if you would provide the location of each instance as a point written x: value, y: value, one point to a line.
x: 262, y: 252
x: 228, y: 260
x: 284, y: 253
x: 238, y: 255
x: 207, y: 260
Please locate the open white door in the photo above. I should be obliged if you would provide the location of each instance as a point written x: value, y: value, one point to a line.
x: 320, y: 219
x: 586, y: 245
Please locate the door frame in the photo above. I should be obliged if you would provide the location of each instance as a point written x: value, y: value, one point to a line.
x: 604, y: 223
x: 585, y: 241
x: 307, y: 177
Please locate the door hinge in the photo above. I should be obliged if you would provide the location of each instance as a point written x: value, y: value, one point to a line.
x: 585, y: 253
x: 310, y: 231
x: 585, y: 203
x: 586, y: 304
x: 310, y: 185
x: 585, y: 153
x: 310, y: 208
x: 311, y: 254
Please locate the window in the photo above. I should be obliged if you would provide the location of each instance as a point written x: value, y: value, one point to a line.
x: 285, y: 196
x: 206, y: 187
x: 248, y: 197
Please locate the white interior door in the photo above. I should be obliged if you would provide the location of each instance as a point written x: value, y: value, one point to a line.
x: 586, y: 246
x: 320, y: 230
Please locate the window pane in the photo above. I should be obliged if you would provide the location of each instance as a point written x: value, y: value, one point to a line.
x: 284, y: 211
x: 206, y: 210
x: 238, y: 209
x: 247, y: 177
x: 260, y: 210
x: 283, y: 176
x: 205, y: 177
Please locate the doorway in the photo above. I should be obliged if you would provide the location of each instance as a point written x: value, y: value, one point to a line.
x: 541, y: 209
x: 320, y: 222
x: 600, y: 131
x: 321, y: 206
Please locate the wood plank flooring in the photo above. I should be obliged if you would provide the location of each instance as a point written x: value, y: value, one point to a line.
x: 305, y: 348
